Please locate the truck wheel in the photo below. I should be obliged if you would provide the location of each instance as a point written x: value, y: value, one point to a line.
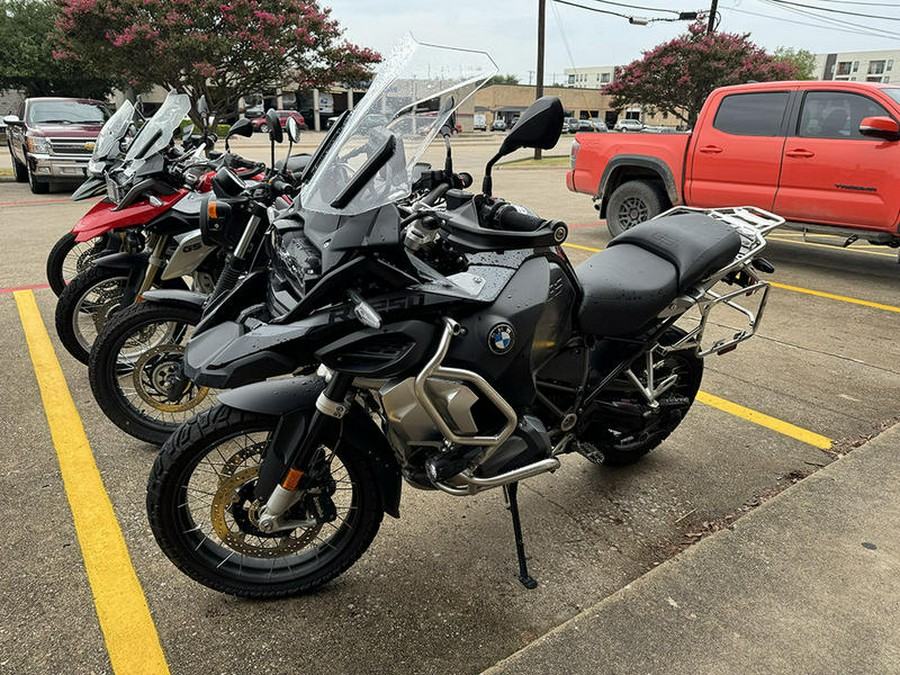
x: 20, y: 170
x: 631, y: 203
x: 38, y: 186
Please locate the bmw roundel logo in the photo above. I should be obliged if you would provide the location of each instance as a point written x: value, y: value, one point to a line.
x: 500, y: 338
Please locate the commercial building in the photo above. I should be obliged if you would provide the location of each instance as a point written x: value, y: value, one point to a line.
x: 871, y: 66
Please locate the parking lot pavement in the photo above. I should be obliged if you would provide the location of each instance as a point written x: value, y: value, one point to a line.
x: 437, y: 592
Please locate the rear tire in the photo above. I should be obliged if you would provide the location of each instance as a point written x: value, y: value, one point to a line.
x: 201, y: 487
x: 151, y: 337
x: 634, y: 202
x: 84, y: 307
x: 603, y: 443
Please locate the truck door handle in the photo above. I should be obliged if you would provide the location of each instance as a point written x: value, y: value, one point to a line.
x: 799, y: 152
x: 711, y: 149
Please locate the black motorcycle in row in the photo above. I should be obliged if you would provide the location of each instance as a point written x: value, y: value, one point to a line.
x: 448, y: 343
x: 135, y: 362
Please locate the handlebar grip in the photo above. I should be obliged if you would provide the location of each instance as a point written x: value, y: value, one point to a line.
x: 505, y: 216
x: 282, y: 187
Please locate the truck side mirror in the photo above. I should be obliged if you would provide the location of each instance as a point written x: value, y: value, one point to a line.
x: 880, y: 127
x: 11, y: 119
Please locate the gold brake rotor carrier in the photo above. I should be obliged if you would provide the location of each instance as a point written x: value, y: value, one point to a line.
x: 227, y: 495
x: 158, y: 377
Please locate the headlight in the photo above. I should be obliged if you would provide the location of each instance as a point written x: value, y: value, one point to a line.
x: 113, y: 193
x: 39, y: 145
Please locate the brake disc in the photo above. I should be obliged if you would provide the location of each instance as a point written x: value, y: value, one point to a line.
x: 154, y: 370
x: 231, y: 503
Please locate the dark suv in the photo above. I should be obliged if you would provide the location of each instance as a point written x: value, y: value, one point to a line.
x: 51, y: 139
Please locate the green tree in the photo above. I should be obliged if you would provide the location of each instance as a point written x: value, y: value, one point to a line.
x: 677, y: 76
x: 220, y: 49
x: 27, y: 62
x: 503, y: 79
x: 803, y: 60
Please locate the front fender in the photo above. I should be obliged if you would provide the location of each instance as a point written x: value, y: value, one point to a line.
x: 182, y: 298
x: 123, y: 260
x: 297, y: 396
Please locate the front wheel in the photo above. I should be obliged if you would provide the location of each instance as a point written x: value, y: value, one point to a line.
x: 68, y: 258
x: 37, y: 186
x: 84, y: 307
x: 204, y: 513
x: 264, y: 128
x: 19, y: 169
x: 633, y: 203
x: 135, y: 370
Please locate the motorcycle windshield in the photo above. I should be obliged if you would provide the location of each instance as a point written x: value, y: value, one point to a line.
x: 157, y: 132
x: 112, y: 132
x: 371, y: 162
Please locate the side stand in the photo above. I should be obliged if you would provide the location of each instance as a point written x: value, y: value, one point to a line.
x: 512, y: 503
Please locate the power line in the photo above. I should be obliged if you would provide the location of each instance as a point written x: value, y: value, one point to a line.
x: 868, y: 4
x: 836, y: 11
x: 593, y: 9
x: 876, y: 32
x: 649, y: 9
x: 842, y: 29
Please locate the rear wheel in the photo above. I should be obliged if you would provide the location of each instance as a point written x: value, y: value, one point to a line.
x: 84, y: 307
x: 633, y: 202
x: 624, y: 427
x: 264, y: 128
x: 136, y: 374
x: 69, y: 258
x: 204, y: 513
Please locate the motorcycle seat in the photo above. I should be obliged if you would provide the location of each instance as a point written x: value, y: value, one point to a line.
x: 645, y: 268
x: 694, y: 243
x: 294, y: 164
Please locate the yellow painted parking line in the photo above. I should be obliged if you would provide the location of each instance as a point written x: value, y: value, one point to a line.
x: 832, y: 296
x: 125, y: 620
x: 851, y: 249
x: 583, y: 248
x: 764, y: 420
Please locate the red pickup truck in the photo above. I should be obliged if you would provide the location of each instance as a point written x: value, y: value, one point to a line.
x: 824, y: 155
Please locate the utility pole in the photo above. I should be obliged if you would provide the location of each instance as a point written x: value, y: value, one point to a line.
x: 539, y: 87
x: 712, y: 17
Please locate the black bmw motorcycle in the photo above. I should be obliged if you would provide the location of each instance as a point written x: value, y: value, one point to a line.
x: 447, y: 342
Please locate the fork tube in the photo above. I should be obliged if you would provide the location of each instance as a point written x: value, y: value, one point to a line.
x: 156, y: 263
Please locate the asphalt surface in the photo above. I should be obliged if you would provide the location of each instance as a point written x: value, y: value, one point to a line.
x: 436, y: 592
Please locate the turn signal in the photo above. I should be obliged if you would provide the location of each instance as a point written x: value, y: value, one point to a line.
x: 211, y: 209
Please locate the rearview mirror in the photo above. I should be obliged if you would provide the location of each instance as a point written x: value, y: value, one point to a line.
x: 187, y: 131
x: 538, y: 127
x: 275, y: 131
x: 203, y: 107
x: 293, y: 130
x: 243, y: 127
x: 880, y: 127
x: 12, y: 119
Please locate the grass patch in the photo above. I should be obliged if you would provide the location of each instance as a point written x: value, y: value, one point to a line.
x: 549, y: 161
x: 6, y: 172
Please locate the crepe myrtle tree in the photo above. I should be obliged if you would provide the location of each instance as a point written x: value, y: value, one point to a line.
x: 677, y: 76
x: 222, y: 49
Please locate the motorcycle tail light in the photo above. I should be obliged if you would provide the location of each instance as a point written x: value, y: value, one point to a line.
x: 573, y: 154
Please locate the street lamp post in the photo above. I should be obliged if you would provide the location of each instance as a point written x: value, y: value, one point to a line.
x: 539, y: 85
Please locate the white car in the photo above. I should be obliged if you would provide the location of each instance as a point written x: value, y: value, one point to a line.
x: 628, y: 125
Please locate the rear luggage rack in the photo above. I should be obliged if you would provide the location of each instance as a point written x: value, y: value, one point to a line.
x: 751, y: 224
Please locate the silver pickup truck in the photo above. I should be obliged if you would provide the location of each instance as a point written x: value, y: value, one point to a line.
x: 51, y: 139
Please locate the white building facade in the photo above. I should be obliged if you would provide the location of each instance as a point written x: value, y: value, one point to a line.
x: 871, y: 66
x: 595, y: 77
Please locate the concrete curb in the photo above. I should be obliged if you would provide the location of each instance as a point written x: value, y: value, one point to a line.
x: 811, y: 592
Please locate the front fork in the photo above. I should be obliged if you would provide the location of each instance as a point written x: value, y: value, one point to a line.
x: 298, y: 443
x: 140, y: 280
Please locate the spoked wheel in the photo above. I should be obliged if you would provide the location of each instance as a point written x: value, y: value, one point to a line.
x: 624, y: 428
x: 85, y: 305
x: 204, y: 514
x: 69, y: 258
x: 136, y: 374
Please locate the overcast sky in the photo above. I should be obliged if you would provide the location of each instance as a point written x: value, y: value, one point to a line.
x: 576, y: 37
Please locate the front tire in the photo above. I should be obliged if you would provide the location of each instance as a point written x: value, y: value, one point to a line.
x: 632, y: 203
x: 69, y: 258
x: 264, y: 128
x: 202, y: 510
x: 84, y: 307
x: 37, y: 186
x: 136, y: 359
x: 19, y: 169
